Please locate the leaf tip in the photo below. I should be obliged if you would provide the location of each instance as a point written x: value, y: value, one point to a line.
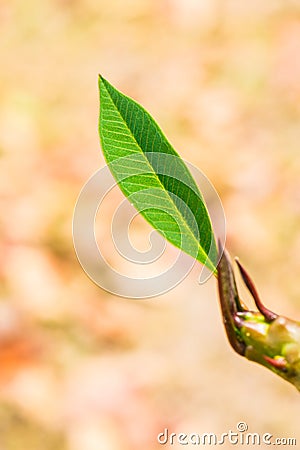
x: 103, y: 83
x: 100, y: 78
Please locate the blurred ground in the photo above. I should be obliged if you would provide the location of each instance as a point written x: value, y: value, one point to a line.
x: 81, y: 369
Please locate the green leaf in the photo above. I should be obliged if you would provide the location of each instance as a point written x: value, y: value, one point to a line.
x: 152, y: 175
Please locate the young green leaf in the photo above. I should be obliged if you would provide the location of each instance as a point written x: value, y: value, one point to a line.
x: 152, y: 175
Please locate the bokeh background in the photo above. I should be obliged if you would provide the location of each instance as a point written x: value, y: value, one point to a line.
x: 81, y: 369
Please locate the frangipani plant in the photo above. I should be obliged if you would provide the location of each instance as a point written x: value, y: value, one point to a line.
x: 158, y: 183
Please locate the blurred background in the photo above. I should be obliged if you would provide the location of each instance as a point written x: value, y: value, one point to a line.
x: 81, y: 369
